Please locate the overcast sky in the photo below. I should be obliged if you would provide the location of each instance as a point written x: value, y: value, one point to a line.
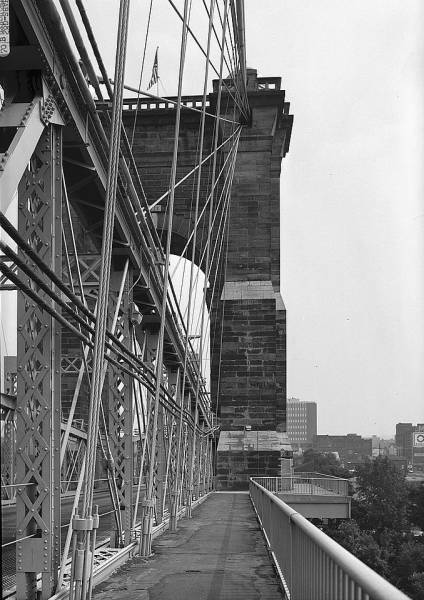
x: 351, y: 204
x: 352, y: 216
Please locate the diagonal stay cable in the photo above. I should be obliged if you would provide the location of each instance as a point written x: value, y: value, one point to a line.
x: 177, y: 184
x: 171, y: 101
x: 196, y: 213
x: 165, y: 398
x: 146, y: 538
x: 109, y: 217
x: 145, y: 370
x: 242, y: 109
x: 141, y: 71
x: 219, y: 238
x: 202, y: 212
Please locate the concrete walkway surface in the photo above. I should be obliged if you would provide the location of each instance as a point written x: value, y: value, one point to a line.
x: 219, y: 554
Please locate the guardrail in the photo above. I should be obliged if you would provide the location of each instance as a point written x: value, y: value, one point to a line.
x: 305, y: 483
x: 312, y: 566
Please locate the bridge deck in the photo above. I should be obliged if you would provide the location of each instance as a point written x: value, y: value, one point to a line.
x: 220, y: 554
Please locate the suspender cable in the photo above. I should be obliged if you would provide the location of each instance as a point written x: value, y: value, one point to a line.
x: 141, y: 92
x: 204, y: 53
x: 211, y: 155
x: 141, y: 71
x: 187, y: 244
x: 196, y: 213
x: 223, y: 198
x: 231, y: 69
x: 216, y: 134
x: 86, y: 523
x: 146, y: 536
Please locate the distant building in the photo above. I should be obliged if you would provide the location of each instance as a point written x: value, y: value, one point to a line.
x: 383, y: 447
x: 410, y: 444
x: 352, y: 448
x: 301, y: 422
x: 404, y: 440
x: 400, y: 462
x: 418, y: 447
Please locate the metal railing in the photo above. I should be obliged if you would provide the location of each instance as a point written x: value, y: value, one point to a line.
x: 312, y: 566
x: 305, y: 483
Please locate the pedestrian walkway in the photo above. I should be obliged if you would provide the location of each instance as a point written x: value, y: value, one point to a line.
x: 219, y: 554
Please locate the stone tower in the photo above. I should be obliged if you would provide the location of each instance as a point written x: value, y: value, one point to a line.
x: 249, y: 366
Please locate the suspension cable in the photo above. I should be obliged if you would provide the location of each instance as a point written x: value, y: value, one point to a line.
x: 141, y: 71
x: 146, y: 535
x: 196, y: 210
x: 177, y: 184
x: 189, y: 239
x: 212, y: 65
x: 100, y: 330
x: 184, y: 106
x: 223, y: 198
x: 218, y: 108
x: 219, y: 238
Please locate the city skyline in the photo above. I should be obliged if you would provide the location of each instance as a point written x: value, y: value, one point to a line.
x: 383, y: 436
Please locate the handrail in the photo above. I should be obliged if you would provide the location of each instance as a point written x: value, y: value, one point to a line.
x: 317, y: 474
x: 305, y: 484
x: 312, y: 565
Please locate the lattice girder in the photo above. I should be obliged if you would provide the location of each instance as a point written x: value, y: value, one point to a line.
x: 38, y: 378
x: 120, y: 411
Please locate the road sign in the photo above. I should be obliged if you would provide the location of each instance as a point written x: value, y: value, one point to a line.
x: 419, y: 439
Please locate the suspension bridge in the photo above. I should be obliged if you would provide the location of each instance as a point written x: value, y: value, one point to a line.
x: 140, y: 273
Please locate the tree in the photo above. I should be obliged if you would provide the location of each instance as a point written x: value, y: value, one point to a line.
x: 321, y: 463
x: 416, y: 506
x: 381, y: 498
x: 417, y: 586
x: 379, y: 534
x: 360, y: 543
x: 407, y: 567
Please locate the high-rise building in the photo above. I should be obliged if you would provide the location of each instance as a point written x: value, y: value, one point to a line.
x: 301, y: 422
x: 410, y: 443
x: 418, y: 447
x: 404, y: 440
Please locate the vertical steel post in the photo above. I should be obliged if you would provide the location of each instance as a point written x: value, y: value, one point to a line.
x: 8, y: 452
x: 192, y: 462
x: 121, y: 407
x: 152, y: 506
x: 38, y: 390
x: 174, y: 441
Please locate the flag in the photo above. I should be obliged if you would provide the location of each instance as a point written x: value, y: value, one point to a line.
x: 155, y: 75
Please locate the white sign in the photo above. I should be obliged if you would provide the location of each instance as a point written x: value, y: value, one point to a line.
x: 419, y: 439
x: 4, y: 28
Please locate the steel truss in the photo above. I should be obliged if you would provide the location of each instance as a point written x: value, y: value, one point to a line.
x: 156, y: 427
x: 38, y: 382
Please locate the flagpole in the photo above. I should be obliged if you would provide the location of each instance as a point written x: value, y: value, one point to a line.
x: 157, y: 79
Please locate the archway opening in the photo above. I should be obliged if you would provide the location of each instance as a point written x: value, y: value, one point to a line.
x: 188, y: 281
